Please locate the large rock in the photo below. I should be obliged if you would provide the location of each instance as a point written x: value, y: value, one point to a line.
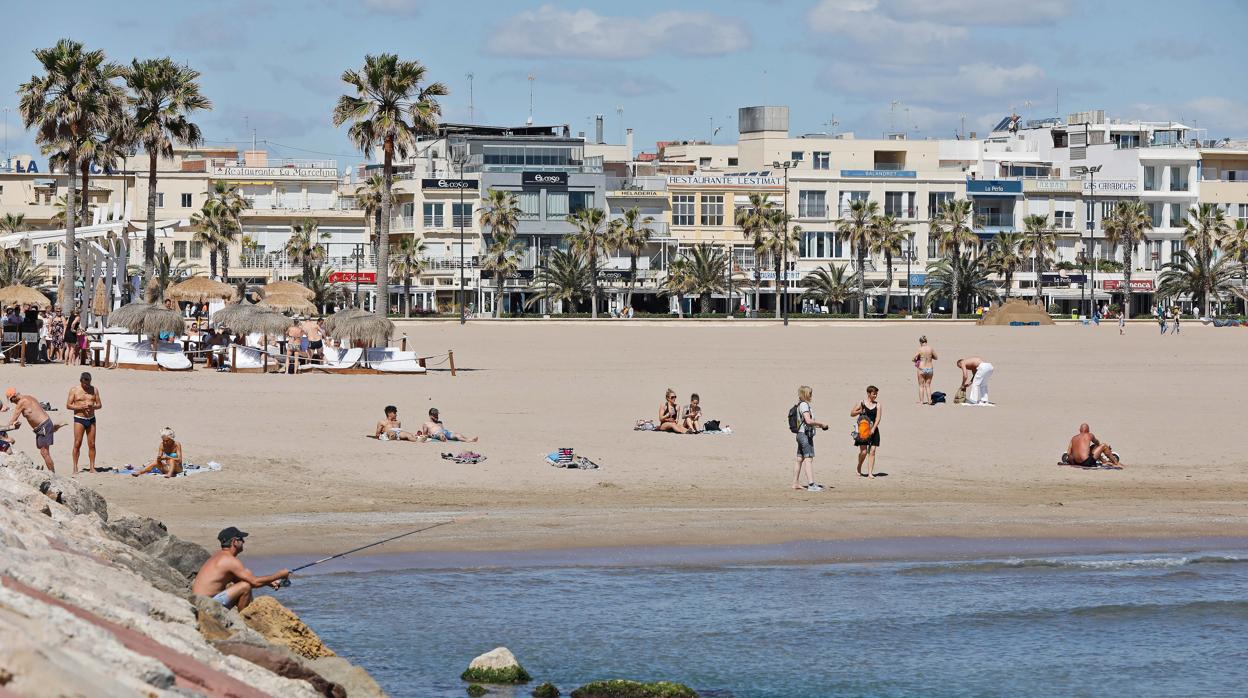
x: 184, y: 556
x: 137, y: 531
x: 498, y: 665
x: 218, y: 623
x: 280, y: 626
x: 80, y: 499
x: 623, y: 688
x: 282, y: 665
x: 357, y: 681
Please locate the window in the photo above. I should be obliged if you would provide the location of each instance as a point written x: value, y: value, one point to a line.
x: 54, y: 250
x: 1126, y: 140
x: 704, y: 162
x: 1176, y: 215
x: 712, y: 209
x: 933, y: 247
x: 528, y: 204
x: 797, y: 156
x: 179, y: 249
x: 1178, y: 178
x: 823, y: 160
x: 1243, y: 212
x: 579, y: 200
x: 682, y: 209
x: 899, y: 204
x: 1154, y: 254
x: 1175, y: 246
x: 1107, y: 208
x: 556, y: 205
x: 1154, y: 213
x: 433, y: 215
x: 935, y: 200
x: 461, y: 214
x: 1150, y: 178
x: 160, y: 199
x: 186, y: 201
x: 732, y: 162
x: 196, y: 250
x: 1064, y: 220
x: 848, y: 197
x: 812, y: 204
x: 821, y: 245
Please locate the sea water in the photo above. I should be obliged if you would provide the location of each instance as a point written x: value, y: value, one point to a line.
x: 1166, y: 624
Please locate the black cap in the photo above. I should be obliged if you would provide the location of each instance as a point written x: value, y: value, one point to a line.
x: 227, y: 535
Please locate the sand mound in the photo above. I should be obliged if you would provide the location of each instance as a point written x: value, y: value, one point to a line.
x: 1015, y: 310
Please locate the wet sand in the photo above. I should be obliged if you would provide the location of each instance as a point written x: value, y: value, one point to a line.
x: 300, y: 476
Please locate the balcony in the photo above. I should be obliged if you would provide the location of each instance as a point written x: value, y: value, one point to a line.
x: 639, y: 184
x: 891, y: 166
x: 279, y: 263
x: 588, y: 165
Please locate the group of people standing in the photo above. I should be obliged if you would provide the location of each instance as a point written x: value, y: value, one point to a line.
x: 61, y: 337
x: 867, y: 414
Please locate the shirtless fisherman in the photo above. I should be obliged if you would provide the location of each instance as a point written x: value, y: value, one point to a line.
x: 28, y: 406
x: 975, y: 375
x: 84, y: 400
x: 226, y: 579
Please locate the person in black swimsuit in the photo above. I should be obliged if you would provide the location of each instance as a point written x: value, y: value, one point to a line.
x: 669, y: 415
x: 84, y: 400
x: 871, y: 411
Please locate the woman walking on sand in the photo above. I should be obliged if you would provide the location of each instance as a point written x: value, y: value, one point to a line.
x: 867, y: 436
x: 924, y: 370
x: 802, y: 423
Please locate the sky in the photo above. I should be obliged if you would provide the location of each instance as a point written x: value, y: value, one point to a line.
x: 671, y: 70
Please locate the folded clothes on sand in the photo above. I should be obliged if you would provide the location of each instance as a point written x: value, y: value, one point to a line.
x: 465, y: 458
x: 564, y: 458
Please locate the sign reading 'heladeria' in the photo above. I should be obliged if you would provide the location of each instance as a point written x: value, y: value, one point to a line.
x: 311, y: 172
x: 732, y: 181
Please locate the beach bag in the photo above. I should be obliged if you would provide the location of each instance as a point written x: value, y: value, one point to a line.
x: 862, y: 429
x: 938, y: 398
x: 711, y: 425
x: 960, y: 396
x: 795, y: 419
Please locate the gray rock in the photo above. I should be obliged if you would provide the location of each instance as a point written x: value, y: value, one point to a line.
x: 218, y: 623
x: 184, y: 556
x: 155, y: 571
x: 342, y: 672
x: 283, y: 665
x: 137, y: 531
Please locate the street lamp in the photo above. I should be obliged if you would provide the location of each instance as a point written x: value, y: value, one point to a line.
x: 460, y: 157
x: 1090, y: 280
x: 357, y: 254
x: 784, y: 242
x: 909, y: 288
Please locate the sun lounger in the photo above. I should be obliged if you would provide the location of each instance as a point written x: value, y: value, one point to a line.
x: 249, y: 359
x: 390, y: 360
x: 139, y: 355
x: 337, y: 359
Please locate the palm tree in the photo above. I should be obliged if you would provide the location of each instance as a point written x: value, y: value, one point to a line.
x: 163, y: 95
x: 564, y: 277
x: 858, y: 229
x: 390, y: 107
x: 503, y: 260
x: 964, y: 276
x: 1205, y: 225
x: 631, y: 233
x: 107, y: 141
x: 1039, y: 241
x: 304, y: 247
x: 500, y: 215
x: 1004, y: 257
x: 754, y: 220
x: 1234, y: 244
x: 677, y: 282
x: 64, y: 104
x: 212, y: 226
x: 408, y: 261
x: 592, y: 240
x: 9, y: 224
x: 1127, y: 225
x: 368, y: 198
x: 232, y: 205
x: 888, y: 238
x: 324, y: 291
x: 706, y: 267
x: 830, y: 284
x: 165, y: 273
x: 781, y: 239
x: 1196, y: 274
x: 951, y: 227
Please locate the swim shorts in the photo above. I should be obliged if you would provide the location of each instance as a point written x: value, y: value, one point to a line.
x: 44, y: 434
x: 224, y: 599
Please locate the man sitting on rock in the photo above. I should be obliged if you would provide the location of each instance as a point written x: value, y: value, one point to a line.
x: 225, y: 579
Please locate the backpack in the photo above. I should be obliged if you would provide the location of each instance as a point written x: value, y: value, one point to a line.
x: 795, y: 419
x: 938, y: 397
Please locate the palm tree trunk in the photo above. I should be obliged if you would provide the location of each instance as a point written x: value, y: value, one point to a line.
x: 1037, y: 269
x: 680, y: 305
x: 212, y: 261
x: 70, y: 275
x: 225, y: 262
x: 632, y: 278
x: 383, y: 240
x: 957, y: 259
x: 593, y: 284
x: 862, y: 284
x: 779, y: 287
x: 1009, y: 283
x: 407, y: 296
x: 1126, y: 281
x: 149, y: 240
x: 888, y: 284
x: 85, y: 168
x: 498, y: 294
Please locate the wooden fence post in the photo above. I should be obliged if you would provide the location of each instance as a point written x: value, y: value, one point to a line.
x: 451, y: 356
x: 233, y: 358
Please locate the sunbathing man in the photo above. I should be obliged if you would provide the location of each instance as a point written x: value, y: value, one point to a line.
x: 669, y: 414
x: 391, y: 429
x: 693, y: 415
x: 28, y: 406
x: 436, y: 431
x: 1086, y: 450
x: 169, y: 457
x: 224, y: 577
x: 84, y: 400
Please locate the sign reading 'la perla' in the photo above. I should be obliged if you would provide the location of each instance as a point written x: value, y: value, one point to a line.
x: 319, y: 172
x: 539, y: 178
x: 448, y: 184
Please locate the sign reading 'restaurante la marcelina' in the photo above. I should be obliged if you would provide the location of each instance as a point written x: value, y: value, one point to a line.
x: 307, y: 172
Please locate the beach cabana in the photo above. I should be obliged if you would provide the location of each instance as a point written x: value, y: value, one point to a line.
x: 232, y: 313
x: 287, y: 287
x: 145, y: 319
x: 355, y: 326
x: 255, y: 321
x: 201, y: 289
x: 24, y: 295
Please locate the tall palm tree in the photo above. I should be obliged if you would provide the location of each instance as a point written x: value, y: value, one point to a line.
x: 11, y: 223
x: 1234, y: 244
x: 390, y: 106
x: 1195, y: 273
x: 163, y: 95
x: 20, y: 269
x: 857, y: 227
x: 63, y: 105
x: 706, y: 269
x: 500, y: 216
x: 952, y: 229
x: 212, y: 224
x: 107, y: 140
x: 1038, y: 241
x: 888, y: 239
x: 368, y: 198
x: 408, y: 261
x: 754, y: 220
x: 1004, y: 257
x: 631, y: 233
x: 563, y: 277
x: 830, y: 284
x: 781, y: 239
x: 964, y: 276
x: 678, y: 282
x: 232, y: 205
x: 1127, y: 225
x: 304, y: 246
x: 592, y: 240
x: 503, y: 260
x: 324, y: 291
x: 1205, y: 225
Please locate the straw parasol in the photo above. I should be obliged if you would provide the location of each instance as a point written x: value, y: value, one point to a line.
x: 288, y: 302
x: 148, y: 319
x: 201, y: 289
x: 100, y: 301
x: 129, y: 314
x: 233, y: 312
x: 261, y: 321
x: 356, y: 325
x: 24, y: 295
x: 287, y: 287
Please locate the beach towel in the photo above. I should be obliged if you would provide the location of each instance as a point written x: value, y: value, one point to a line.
x: 188, y: 469
x: 465, y: 458
x: 722, y: 430
x: 565, y: 458
x: 644, y: 425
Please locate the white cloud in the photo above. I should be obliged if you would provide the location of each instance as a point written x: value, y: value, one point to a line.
x: 859, y: 27
x: 940, y: 85
x: 977, y: 12
x: 394, y: 7
x: 552, y: 32
x: 1220, y: 115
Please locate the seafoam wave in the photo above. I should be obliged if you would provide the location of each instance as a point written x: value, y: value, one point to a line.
x: 1073, y: 564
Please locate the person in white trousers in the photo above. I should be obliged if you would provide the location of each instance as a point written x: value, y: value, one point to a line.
x: 975, y: 375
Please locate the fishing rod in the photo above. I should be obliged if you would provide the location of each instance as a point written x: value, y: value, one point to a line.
x: 286, y: 582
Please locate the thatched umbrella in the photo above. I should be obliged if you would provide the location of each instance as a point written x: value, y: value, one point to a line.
x: 261, y: 321
x: 130, y: 314
x: 100, y: 304
x: 24, y: 295
x: 233, y: 312
x: 287, y: 287
x: 156, y: 321
x: 360, y: 326
x: 201, y: 289
x: 288, y: 302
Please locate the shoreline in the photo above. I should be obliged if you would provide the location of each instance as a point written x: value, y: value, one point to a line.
x: 799, y: 552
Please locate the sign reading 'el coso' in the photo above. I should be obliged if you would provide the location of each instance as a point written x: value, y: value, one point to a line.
x: 448, y: 184
x: 558, y: 179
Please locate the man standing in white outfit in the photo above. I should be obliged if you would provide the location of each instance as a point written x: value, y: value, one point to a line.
x: 975, y: 375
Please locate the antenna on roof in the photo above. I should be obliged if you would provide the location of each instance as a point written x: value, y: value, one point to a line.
x: 530, y: 121
x: 470, y: 110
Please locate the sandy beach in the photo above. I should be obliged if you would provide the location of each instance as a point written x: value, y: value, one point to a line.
x: 299, y: 474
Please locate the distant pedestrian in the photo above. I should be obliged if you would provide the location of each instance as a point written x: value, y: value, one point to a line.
x: 802, y: 423
x: 1175, y: 328
x: 1122, y: 324
x: 1161, y: 321
x: 867, y: 416
x: 923, y: 364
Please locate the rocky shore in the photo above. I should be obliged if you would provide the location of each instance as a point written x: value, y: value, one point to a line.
x: 97, y: 603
